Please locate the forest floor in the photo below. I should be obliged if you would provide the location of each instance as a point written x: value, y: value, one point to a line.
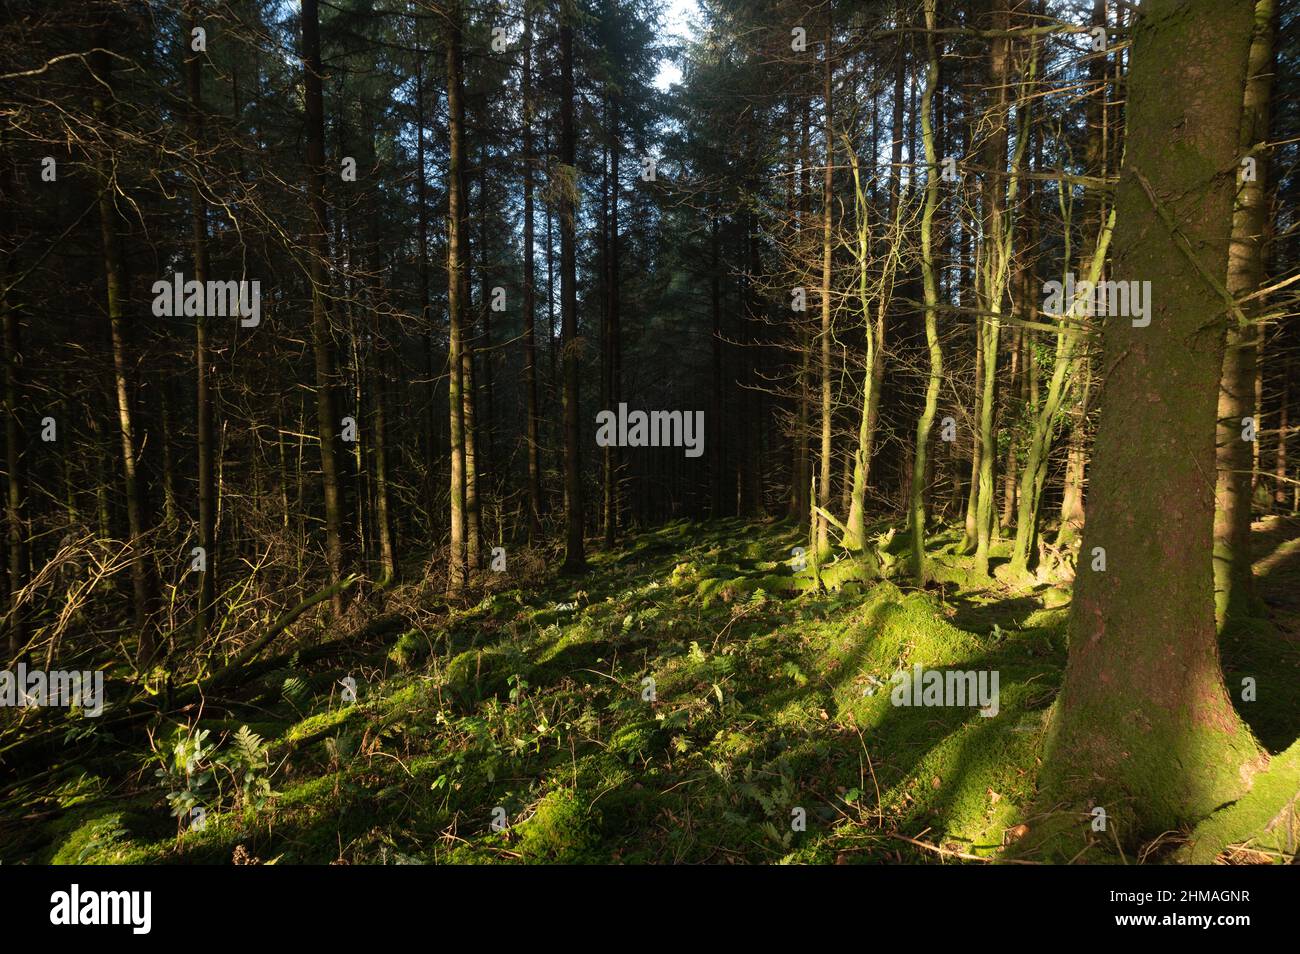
x: 526, y: 728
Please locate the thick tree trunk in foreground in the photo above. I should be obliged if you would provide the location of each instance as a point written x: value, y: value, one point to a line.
x: 1143, y: 726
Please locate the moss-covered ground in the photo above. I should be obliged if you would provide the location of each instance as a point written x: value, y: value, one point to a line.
x: 697, y: 697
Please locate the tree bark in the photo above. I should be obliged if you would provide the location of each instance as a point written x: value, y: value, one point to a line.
x: 1143, y: 726
x: 828, y: 200
x: 574, y: 557
x: 456, y: 567
x: 322, y: 337
x: 1233, y: 581
x: 16, y: 527
x: 917, y: 502
x: 532, y: 435
x: 612, y: 344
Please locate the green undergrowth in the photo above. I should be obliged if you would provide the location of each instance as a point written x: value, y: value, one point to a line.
x: 701, y: 695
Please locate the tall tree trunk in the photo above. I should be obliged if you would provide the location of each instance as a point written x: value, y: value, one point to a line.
x: 855, y: 537
x: 717, y: 457
x: 1064, y: 369
x: 804, y: 482
x: 143, y: 581
x: 751, y: 302
x: 970, y: 536
x: 1233, y: 581
x: 16, y: 528
x: 1143, y: 706
x: 426, y: 309
x: 996, y: 258
x: 828, y: 200
x: 1281, y: 491
x: 1098, y: 162
x: 612, y: 345
x: 484, y: 433
x: 574, y: 557
x: 456, y: 567
x: 322, y: 337
x: 202, y: 356
x: 471, y: 434
x: 917, y: 495
x: 535, y: 502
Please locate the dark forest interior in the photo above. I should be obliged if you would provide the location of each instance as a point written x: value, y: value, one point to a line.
x: 646, y: 431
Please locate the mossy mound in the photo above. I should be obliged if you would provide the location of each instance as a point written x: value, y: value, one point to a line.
x: 477, y: 674
x: 411, y: 648
x: 1265, y: 821
x: 560, y: 830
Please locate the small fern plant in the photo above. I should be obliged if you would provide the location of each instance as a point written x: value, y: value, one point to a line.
x: 248, y: 760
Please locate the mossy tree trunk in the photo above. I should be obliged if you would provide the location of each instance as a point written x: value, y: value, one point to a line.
x: 1143, y: 726
x: 874, y: 360
x: 892, y: 252
x: 1048, y: 418
x: 916, y: 504
x: 995, y: 274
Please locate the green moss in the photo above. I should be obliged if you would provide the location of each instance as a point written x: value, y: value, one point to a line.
x: 1266, y: 819
x: 316, y: 792
x: 320, y: 722
x: 635, y: 741
x: 684, y: 574
x: 411, y: 648
x: 861, y: 569
x: 93, y: 840
x: 1054, y: 597
x: 478, y: 673
x: 769, y: 694
x: 1177, y: 770
x: 559, y: 830
x: 958, y: 572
